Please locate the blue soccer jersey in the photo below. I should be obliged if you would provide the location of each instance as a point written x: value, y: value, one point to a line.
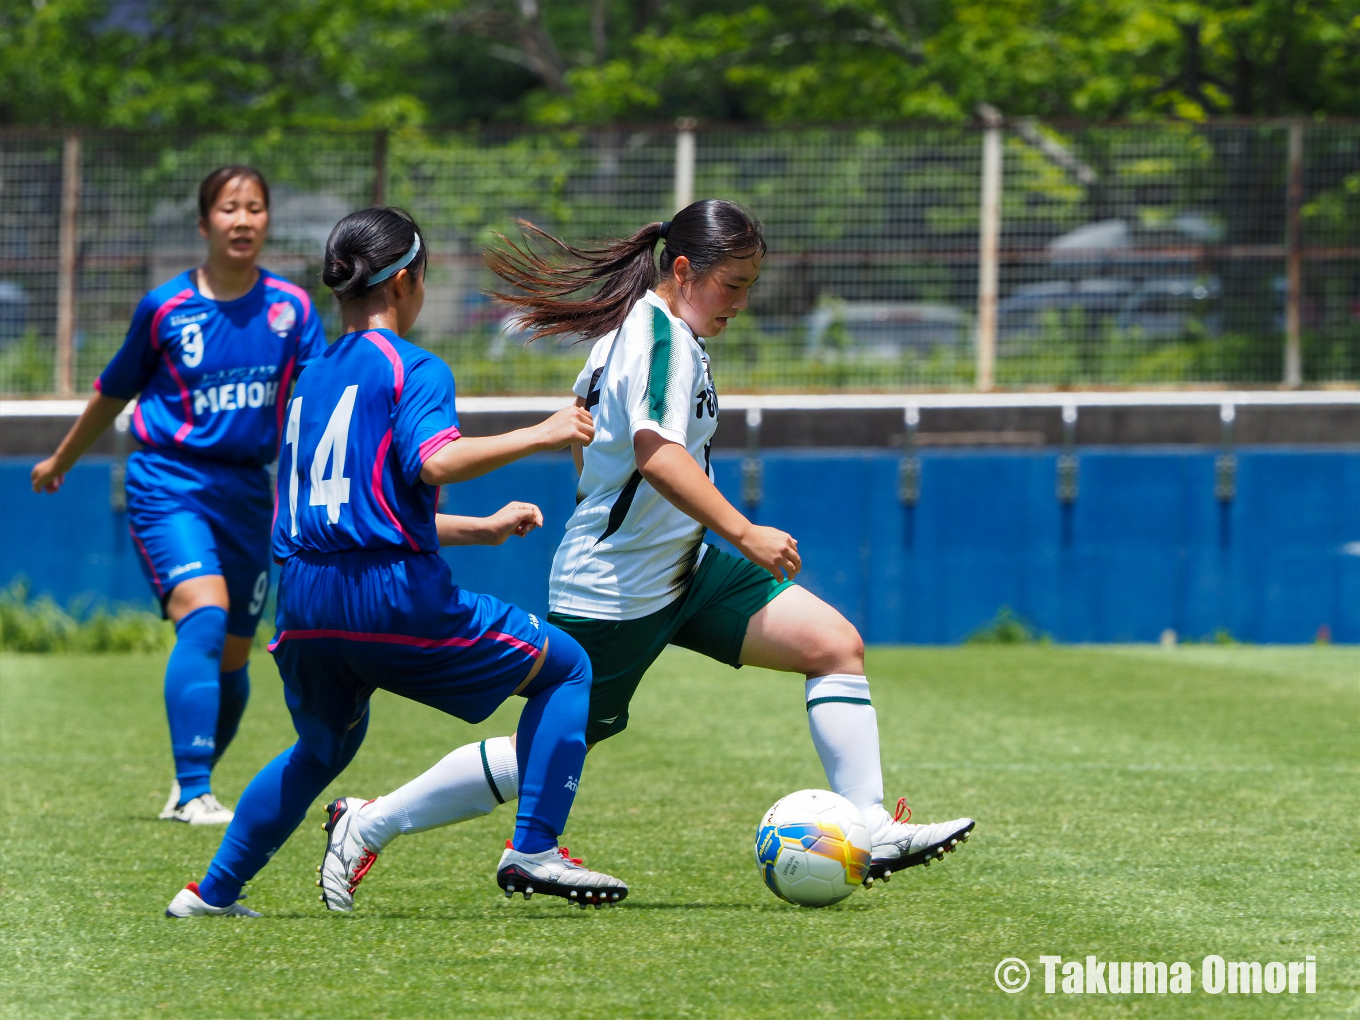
x: 213, y: 375
x: 362, y: 422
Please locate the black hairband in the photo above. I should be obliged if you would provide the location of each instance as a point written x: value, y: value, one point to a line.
x: 665, y: 229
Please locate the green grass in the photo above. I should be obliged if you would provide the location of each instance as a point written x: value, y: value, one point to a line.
x: 1132, y: 803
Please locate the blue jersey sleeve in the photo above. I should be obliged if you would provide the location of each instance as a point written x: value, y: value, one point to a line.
x: 130, y: 370
x: 426, y: 420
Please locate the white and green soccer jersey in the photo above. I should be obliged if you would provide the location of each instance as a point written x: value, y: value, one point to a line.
x: 627, y: 551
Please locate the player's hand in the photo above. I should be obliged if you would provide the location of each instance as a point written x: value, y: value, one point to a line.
x: 571, y: 426
x: 513, y: 519
x: 775, y: 550
x: 46, y: 477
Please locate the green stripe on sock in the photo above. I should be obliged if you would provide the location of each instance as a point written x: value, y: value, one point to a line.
x: 490, y: 779
x: 847, y: 701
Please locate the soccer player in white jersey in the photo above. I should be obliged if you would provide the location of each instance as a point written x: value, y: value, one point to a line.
x: 633, y: 573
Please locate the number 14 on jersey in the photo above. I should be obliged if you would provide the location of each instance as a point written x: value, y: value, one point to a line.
x: 332, y: 490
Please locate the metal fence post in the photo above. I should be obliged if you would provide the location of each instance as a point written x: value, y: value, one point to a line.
x: 1293, y: 354
x: 752, y: 482
x: 66, y: 266
x: 989, y: 234
x: 684, y: 162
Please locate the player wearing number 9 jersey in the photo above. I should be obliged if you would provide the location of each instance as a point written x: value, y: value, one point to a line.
x: 366, y: 602
x: 211, y: 356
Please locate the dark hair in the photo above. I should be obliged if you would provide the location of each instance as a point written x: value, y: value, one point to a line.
x: 705, y: 232
x: 217, y: 180
x: 367, y: 242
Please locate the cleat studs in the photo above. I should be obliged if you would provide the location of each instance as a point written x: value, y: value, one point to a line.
x: 322, y: 898
x: 509, y: 893
x: 318, y: 883
x: 615, y: 896
x: 572, y: 894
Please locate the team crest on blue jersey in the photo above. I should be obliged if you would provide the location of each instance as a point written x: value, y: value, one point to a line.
x: 282, y: 317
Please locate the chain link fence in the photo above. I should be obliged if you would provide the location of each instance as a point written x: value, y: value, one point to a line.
x: 1126, y: 255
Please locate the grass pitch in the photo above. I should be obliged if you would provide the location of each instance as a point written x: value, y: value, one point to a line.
x: 1132, y: 803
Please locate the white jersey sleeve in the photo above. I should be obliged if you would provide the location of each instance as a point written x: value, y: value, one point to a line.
x: 657, y: 372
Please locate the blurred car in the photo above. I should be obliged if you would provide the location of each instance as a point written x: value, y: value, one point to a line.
x: 885, y: 330
x: 1155, y: 309
x: 512, y: 338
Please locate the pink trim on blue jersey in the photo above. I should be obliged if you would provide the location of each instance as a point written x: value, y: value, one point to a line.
x: 294, y: 290
x: 379, y: 470
x: 398, y: 370
x: 139, y: 423
x: 404, y: 639
x: 185, y: 400
x: 165, y: 309
x: 436, y: 443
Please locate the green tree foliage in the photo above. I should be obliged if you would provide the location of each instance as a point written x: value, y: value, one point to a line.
x: 390, y: 63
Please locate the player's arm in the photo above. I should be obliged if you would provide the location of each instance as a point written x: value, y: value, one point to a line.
x: 578, y: 450
x: 98, y: 415
x: 473, y: 456
x: 671, y: 471
x: 511, y: 519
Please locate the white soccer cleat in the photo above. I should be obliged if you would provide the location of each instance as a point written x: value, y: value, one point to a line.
x: 168, y: 811
x: 204, y: 809
x: 187, y: 903
x: 556, y: 873
x: 347, y: 860
x: 899, y: 844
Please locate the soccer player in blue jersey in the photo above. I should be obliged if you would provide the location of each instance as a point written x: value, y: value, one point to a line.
x: 366, y: 602
x: 211, y: 355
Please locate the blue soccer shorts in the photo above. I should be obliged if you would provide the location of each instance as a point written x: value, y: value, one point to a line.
x: 349, y: 623
x: 193, y: 517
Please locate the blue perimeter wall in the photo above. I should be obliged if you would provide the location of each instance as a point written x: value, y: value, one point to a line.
x: 1146, y: 546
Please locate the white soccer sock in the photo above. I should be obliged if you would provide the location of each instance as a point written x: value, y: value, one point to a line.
x: 467, y: 783
x: 845, y: 732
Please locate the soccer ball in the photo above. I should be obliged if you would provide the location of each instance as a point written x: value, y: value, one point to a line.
x: 813, y: 848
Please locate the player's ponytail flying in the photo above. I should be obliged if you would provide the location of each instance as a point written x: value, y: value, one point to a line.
x: 368, y: 247
x: 619, y: 271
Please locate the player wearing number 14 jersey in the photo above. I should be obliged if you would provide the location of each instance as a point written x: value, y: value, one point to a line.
x: 366, y: 602
x: 210, y: 356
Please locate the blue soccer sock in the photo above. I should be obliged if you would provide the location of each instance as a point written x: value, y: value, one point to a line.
x: 233, y: 696
x: 272, y: 806
x: 191, y: 696
x: 551, y: 745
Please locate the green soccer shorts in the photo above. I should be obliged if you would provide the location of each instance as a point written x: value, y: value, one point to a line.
x: 710, y: 617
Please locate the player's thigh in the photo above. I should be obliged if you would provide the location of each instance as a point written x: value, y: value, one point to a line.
x: 725, y: 593
x: 799, y: 633
x: 470, y: 657
x: 178, y: 552
x: 241, y: 537
x: 620, y: 653
x: 328, y: 702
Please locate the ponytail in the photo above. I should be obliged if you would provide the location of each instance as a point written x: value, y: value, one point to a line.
x: 622, y: 270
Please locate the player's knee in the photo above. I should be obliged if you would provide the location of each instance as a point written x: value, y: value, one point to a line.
x: 838, y: 648
x: 566, y: 662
